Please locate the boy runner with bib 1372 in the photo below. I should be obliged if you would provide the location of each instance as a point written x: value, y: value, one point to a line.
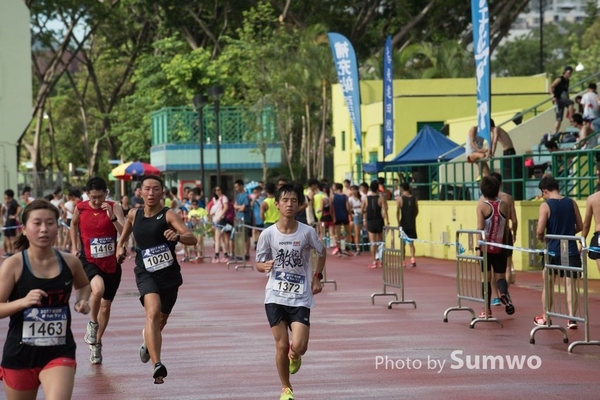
x: 283, y: 251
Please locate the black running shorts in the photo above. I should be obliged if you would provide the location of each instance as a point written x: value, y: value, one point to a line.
x: 496, y: 262
x: 375, y: 225
x: 111, y: 281
x: 165, y: 283
x: 594, y: 254
x: 288, y: 314
x: 574, y: 261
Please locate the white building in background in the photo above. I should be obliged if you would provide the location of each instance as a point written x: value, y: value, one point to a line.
x: 553, y: 11
x: 15, y: 86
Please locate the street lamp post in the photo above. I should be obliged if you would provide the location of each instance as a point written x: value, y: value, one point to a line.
x: 541, y: 36
x: 199, y: 103
x: 215, y: 93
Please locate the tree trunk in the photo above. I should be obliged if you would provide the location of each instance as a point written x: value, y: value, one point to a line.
x: 36, y: 154
x: 304, y: 146
x: 51, y: 133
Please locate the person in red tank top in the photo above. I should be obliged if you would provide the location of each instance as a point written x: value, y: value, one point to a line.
x: 94, y: 229
x: 491, y: 218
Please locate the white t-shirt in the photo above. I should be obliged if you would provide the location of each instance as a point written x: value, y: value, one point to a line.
x: 218, y: 208
x: 57, y: 203
x: 589, y: 102
x: 356, y: 205
x: 70, y: 207
x: 290, y: 280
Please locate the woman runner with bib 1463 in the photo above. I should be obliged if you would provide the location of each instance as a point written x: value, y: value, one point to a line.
x: 156, y: 230
x: 35, y: 288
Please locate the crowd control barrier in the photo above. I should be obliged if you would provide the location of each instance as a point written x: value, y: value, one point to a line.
x: 313, y: 261
x: 239, y: 237
x: 566, y: 290
x: 470, y: 267
x: 393, y: 271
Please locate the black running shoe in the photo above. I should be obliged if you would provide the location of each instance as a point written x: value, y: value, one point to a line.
x: 508, y: 305
x: 160, y: 372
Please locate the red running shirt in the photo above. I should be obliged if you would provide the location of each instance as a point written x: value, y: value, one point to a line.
x: 495, y: 224
x: 98, y: 237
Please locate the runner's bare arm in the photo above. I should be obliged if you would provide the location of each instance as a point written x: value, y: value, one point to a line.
x: 587, y: 222
x: 124, y: 239
x: 81, y: 284
x: 74, y: 232
x: 543, y: 216
x: 117, y: 211
x: 578, y: 222
x: 179, y: 232
x: 9, y: 274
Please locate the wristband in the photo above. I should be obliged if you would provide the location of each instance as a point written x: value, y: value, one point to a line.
x: 114, y: 219
x: 178, y: 237
x: 319, y: 275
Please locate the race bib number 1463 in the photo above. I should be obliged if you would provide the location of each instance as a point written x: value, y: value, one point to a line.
x: 45, y: 326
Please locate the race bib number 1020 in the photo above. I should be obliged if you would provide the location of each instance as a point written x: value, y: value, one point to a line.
x: 157, y: 257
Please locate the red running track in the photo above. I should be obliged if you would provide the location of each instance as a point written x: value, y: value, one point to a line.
x: 218, y: 344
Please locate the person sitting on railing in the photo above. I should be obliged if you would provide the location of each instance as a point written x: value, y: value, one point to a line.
x: 500, y: 135
x: 476, y: 153
x: 584, y: 131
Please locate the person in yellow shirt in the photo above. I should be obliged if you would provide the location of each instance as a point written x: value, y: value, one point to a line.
x: 316, y: 196
x: 196, y: 222
x: 268, y: 212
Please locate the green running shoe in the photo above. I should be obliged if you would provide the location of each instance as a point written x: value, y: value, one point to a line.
x: 295, y: 365
x: 287, y: 394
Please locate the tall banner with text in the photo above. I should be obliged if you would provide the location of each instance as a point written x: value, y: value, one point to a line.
x: 388, y: 99
x: 481, y: 50
x: 346, y: 66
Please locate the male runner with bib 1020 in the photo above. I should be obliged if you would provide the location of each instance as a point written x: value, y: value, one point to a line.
x: 156, y: 230
x: 283, y: 251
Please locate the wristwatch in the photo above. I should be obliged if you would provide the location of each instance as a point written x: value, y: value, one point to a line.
x: 114, y: 219
x: 319, y: 275
x: 178, y: 237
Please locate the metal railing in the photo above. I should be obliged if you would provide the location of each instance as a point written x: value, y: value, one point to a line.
x: 566, y: 289
x: 240, y: 257
x: 41, y: 183
x: 472, y: 277
x: 575, y: 170
x: 392, y: 267
x: 237, y: 125
x: 532, y: 110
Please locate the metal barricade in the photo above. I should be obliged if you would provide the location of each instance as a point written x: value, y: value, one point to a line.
x: 472, y: 277
x: 239, y: 237
x: 393, y: 271
x: 566, y: 290
x: 313, y: 262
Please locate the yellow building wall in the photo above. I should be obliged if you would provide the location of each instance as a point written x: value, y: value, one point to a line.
x: 438, y: 221
x: 416, y: 101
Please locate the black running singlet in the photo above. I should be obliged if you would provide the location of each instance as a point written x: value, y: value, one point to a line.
x: 38, y: 335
